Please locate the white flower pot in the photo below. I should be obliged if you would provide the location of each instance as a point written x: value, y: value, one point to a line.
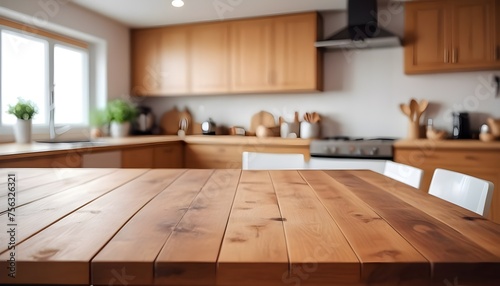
x: 118, y: 130
x: 22, y: 131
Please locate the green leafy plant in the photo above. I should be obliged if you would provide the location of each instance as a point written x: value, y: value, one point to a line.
x: 120, y: 111
x: 24, y: 109
x: 99, y: 118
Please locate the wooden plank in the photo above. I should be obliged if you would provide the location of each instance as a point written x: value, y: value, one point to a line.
x: 253, y: 251
x: 45, y: 176
x: 385, y: 256
x: 40, y: 214
x: 190, y: 255
x: 72, y: 179
x: 135, y: 247
x: 450, y: 252
x: 67, y: 246
x: 475, y: 227
x: 317, y: 249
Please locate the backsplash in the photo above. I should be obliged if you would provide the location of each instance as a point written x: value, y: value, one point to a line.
x: 361, y: 97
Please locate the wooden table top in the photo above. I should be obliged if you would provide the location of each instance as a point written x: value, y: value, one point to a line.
x: 233, y: 227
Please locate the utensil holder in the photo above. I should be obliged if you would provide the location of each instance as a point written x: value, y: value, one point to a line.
x: 289, y: 128
x: 309, y: 130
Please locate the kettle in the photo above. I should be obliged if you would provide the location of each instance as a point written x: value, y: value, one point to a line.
x: 461, y: 125
x: 208, y: 127
x: 144, y: 122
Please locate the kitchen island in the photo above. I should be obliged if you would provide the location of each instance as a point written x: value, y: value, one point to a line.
x: 233, y: 227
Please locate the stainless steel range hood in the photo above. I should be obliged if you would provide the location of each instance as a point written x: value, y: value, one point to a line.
x: 363, y: 30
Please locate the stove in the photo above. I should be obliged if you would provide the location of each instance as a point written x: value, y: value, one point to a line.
x: 356, y: 148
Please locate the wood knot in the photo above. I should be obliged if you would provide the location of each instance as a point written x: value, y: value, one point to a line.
x: 278, y: 219
x: 45, y: 254
x: 237, y: 239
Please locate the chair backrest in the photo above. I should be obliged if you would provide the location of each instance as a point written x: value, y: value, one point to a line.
x: 466, y: 191
x: 404, y: 173
x: 272, y: 161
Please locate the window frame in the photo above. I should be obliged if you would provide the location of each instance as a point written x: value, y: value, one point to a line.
x: 42, y: 130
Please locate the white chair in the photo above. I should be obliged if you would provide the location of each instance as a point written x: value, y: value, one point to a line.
x: 404, y: 173
x: 466, y: 191
x: 271, y: 161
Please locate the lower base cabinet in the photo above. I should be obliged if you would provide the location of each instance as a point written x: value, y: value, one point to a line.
x: 70, y: 159
x: 483, y: 164
x: 164, y: 156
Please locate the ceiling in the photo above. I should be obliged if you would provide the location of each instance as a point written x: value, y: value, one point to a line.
x: 148, y: 13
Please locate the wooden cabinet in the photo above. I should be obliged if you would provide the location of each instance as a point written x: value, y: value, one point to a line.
x: 275, y: 54
x: 253, y: 66
x: 145, y: 46
x: 271, y: 54
x: 174, y: 60
x: 297, y: 59
x: 497, y: 19
x: 168, y: 156
x: 160, y: 58
x: 483, y: 164
x: 209, y: 58
x: 446, y: 35
x: 161, y: 156
x: 70, y: 159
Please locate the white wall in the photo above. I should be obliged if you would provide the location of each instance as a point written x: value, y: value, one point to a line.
x: 110, y: 39
x: 363, y: 90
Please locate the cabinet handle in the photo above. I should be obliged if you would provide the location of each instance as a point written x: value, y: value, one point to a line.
x: 497, y: 53
x: 446, y: 58
x: 455, y: 56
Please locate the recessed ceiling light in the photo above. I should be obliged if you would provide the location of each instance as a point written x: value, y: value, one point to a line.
x: 177, y: 3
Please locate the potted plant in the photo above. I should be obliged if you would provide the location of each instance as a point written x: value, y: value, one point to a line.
x: 120, y: 113
x: 98, y: 121
x: 24, y: 110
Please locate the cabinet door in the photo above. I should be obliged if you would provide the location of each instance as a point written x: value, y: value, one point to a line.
x: 146, y: 70
x: 427, y: 40
x: 252, y: 55
x: 209, y: 58
x: 296, y: 58
x: 497, y: 26
x: 137, y: 158
x: 169, y: 156
x: 174, y: 60
x: 473, y: 32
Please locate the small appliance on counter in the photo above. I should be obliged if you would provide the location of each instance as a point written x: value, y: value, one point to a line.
x: 144, y: 122
x: 461, y: 126
x: 208, y: 127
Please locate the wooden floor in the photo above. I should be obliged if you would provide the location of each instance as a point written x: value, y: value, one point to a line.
x: 233, y: 227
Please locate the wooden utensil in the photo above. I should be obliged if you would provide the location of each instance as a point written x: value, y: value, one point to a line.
x: 494, y: 125
x: 414, y: 111
x: 186, y: 122
x: 262, y: 118
x: 315, y: 117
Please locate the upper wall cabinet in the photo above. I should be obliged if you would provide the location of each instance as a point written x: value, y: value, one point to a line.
x: 271, y: 54
x: 450, y: 35
x: 275, y: 54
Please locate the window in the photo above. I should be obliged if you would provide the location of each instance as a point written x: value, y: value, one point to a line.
x: 34, y: 66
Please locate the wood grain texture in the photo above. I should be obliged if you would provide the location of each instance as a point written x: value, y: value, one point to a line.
x: 53, y: 182
x: 385, y: 256
x: 254, y: 248
x: 233, y: 227
x: 189, y: 257
x: 41, y: 213
x: 316, y: 245
x: 67, y: 246
x: 484, y: 232
x: 439, y: 243
x: 136, y: 246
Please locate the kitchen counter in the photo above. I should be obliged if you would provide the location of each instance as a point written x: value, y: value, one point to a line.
x: 427, y: 144
x: 15, y: 150
x: 233, y: 227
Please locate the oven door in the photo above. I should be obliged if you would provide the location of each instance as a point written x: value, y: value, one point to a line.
x: 324, y: 163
